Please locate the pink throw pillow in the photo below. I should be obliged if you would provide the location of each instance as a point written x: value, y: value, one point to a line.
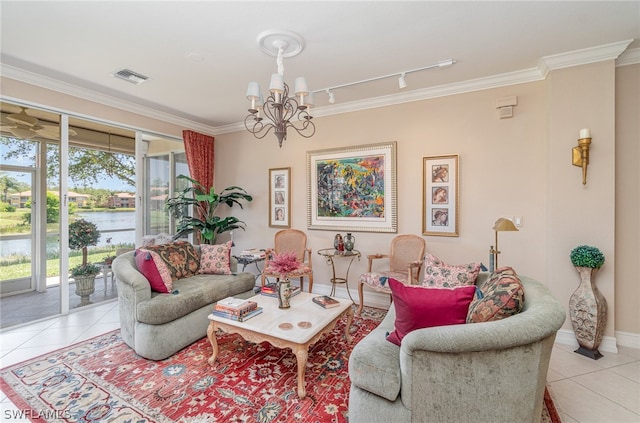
x: 215, y: 259
x: 438, y: 274
x: 419, y: 307
x: 155, y: 270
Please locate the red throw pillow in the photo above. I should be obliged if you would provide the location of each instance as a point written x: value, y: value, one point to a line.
x: 419, y: 307
x: 153, y: 268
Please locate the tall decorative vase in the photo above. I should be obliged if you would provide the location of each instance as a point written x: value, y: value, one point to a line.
x: 338, y: 243
x: 284, y: 292
x: 349, y: 242
x: 588, y: 311
x: 85, y: 286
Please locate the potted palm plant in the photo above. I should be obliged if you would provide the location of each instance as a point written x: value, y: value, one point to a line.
x: 587, y: 305
x: 204, y: 222
x: 83, y: 234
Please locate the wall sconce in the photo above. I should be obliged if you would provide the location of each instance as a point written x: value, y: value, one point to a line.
x: 580, y: 154
x: 501, y: 225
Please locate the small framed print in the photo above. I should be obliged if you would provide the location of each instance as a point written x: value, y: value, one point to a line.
x: 440, y: 199
x: 280, y: 197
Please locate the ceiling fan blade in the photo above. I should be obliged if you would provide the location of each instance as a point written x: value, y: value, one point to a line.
x: 23, y: 118
x: 22, y: 132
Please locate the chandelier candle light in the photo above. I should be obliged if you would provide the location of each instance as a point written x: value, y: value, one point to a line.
x: 282, y: 112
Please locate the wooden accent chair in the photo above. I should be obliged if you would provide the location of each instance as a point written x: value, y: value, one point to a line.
x: 290, y: 240
x: 405, y: 261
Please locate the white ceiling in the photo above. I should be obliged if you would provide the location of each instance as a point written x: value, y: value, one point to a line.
x: 201, y: 55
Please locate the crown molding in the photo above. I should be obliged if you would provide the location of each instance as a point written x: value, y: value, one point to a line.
x: 546, y: 64
x: 584, y: 56
x: 46, y: 82
x: 629, y: 57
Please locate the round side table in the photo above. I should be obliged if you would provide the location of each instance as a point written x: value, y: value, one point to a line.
x: 330, y: 254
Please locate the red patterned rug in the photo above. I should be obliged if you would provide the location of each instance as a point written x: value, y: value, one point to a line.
x: 103, y: 380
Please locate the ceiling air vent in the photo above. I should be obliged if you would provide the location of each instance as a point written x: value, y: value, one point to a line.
x: 131, y: 76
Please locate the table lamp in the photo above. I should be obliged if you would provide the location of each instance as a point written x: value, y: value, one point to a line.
x: 501, y: 224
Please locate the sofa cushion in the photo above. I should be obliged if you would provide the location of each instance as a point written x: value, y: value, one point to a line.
x: 181, y: 258
x: 502, y: 295
x: 439, y: 274
x: 374, y: 363
x: 420, y: 307
x: 154, y: 269
x: 190, y: 294
x: 215, y: 259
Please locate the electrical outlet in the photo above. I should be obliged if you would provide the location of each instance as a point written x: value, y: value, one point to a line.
x: 517, y: 220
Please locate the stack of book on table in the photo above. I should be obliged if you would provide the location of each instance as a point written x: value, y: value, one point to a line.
x: 253, y: 253
x: 236, y: 309
x: 271, y: 290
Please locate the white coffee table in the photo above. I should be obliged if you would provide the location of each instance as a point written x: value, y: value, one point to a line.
x: 297, y: 327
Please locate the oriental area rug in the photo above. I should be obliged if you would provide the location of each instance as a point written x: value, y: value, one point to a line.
x: 103, y: 380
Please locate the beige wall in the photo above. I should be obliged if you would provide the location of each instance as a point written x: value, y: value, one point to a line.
x: 508, y: 167
x: 627, y: 280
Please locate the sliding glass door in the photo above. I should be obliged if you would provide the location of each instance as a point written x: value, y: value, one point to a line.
x: 17, y: 229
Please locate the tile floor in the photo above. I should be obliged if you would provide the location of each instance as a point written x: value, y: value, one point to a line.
x: 584, y: 390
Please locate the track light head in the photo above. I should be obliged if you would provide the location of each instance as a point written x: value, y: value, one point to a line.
x: 332, y: 99
x: 402, y: 82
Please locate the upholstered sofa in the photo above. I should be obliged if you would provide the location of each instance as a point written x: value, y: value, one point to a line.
x: 157, y: 325
x: 493, y: 371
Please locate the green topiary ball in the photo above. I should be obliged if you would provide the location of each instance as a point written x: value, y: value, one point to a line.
x: 587, y: 256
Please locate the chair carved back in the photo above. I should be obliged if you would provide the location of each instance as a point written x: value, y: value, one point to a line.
x: 291, y: 240
x: 404, y: 250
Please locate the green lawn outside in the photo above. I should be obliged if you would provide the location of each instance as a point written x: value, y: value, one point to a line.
x: 22, y: 270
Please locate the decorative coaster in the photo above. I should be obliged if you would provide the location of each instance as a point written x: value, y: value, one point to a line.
x: 285, y: 326
x: 304, y: 325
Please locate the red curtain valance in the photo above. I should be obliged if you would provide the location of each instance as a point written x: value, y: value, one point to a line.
x: 199, y: 150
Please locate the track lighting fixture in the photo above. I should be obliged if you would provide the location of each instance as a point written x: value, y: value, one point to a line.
x: 402, y: 82
x: 332, y: 99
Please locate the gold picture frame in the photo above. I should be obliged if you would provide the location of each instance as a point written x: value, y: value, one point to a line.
x: 440, y: 195
x: 280, y: 197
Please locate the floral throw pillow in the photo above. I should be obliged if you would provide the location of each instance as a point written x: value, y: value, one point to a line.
x: 181, y: 258
x: 502, y: 295
x: 215, y: 259
x: 438, y: 274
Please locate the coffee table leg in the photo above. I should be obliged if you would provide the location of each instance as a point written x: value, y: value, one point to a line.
x: 211, y: 334
x: 348, y: 325
x: 301, y: 354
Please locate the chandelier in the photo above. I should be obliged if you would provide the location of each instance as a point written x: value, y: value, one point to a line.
x: 280, y: 111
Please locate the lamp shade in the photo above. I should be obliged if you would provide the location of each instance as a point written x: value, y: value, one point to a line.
x: 277, y: 83
x: 253, y: 91
x: 503, y: 224
x: 300, y: 86
x: 309, y: 100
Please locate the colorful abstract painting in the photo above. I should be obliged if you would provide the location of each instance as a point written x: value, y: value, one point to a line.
x: 353, y: 188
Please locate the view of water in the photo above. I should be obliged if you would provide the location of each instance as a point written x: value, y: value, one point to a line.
x: 107, y: 223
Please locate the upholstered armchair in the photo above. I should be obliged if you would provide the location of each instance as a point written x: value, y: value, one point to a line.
x: 290, y: 240
x: 404, y: 263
